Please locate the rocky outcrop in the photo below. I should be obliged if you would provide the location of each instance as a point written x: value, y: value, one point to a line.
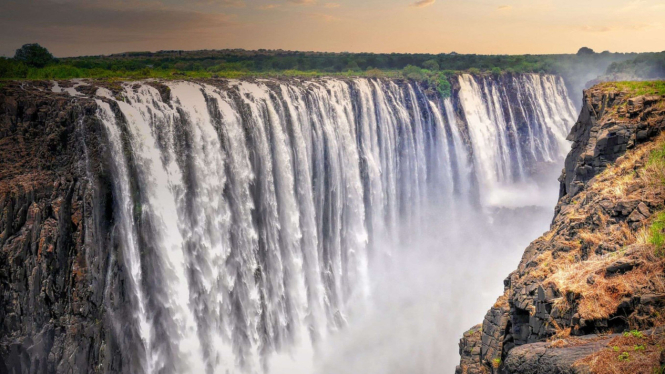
x: 592, y: 273
x: 57, y: 280
x: 609, y: 124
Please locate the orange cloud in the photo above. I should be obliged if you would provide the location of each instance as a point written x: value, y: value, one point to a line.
x: 268, y: 6
x: 302, y: 2
x: 422, y: 3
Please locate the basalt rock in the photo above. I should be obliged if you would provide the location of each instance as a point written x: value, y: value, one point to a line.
x: 597, y: 217
x: 57, y: 280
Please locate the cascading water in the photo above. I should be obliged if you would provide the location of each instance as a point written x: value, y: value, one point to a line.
x: 255, y: 216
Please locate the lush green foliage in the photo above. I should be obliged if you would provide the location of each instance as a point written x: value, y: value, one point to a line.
x: 34, y: 55
x: 638, y: 88
x: 263, y: 62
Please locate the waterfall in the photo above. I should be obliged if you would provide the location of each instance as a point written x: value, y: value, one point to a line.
x: 253, y: 214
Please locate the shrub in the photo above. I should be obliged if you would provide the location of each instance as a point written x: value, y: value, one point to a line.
x: 633, y: 333
x: 474, y: 71
x: 443, y: 85
x: 414, y: 72
x: 12, y: 69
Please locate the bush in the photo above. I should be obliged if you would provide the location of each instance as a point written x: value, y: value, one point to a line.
x: 34, y: 55
x: 12, y: 68
x: 443, y: 85
x: 414, y: 72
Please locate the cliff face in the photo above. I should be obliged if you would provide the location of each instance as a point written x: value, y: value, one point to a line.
x: 598, y: 272
x: 55, y: 285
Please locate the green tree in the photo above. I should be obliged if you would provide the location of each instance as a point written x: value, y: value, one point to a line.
x: 34, y: 55
x: 585, y: 51
x: 431, y: 65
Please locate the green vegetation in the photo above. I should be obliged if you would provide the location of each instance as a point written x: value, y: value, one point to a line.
x: 625, y: 356
x: 637, y: 88
x: 656, y: 233
x: 34, y: 62
x: 496, y: 362
x: 640, y: 347
x: 34, y: 55
x: 633, y: 333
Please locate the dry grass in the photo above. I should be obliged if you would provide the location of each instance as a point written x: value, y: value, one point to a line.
x: 635, y: 354
x: 591, y: 238
x: 633, y: 176
x: 599, y: 295
x: 502, y: 301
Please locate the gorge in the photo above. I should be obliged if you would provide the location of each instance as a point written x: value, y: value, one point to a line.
x: 221, y: 226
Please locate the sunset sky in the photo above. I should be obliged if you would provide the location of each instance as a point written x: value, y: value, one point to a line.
x: 87, y: 27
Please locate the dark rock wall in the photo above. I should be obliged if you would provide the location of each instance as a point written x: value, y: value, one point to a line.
x: 514, y: 329
x: 58, y: 279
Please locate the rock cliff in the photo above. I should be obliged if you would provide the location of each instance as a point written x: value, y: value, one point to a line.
x: 588, y: 295
x: 55, y: 213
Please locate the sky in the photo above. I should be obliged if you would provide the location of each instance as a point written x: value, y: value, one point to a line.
x: 92, y: 27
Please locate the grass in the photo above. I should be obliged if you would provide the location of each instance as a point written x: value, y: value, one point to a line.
x: 70, y: 72
x: 638, y: 175
x: 656, y: 167
x: 657, y: 235
x: 637, y: 88
x: 627, y: 354
x: 600, y: 299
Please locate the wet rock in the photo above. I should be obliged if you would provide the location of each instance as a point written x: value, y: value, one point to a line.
x: 52, y: 314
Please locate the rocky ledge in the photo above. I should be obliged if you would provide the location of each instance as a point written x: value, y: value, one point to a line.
x: 589, y: 295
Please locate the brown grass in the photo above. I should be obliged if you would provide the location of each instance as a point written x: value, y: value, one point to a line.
x: 599, y: 299
x: 631, y: 177
x: 502, y: 301
x: 627, y: 354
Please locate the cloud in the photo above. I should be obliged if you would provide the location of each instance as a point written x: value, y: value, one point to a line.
x: 324, y: 17
x: 626, y: 27
x: 301, y: 2
x: 588, y: 28
x: 268, y: 6
x: 504, y: 7
x: 422, y: 3
x: 226, y: 3
x: 331, y: 5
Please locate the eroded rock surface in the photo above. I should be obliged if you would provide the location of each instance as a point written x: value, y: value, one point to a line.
x: 57, y: 281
